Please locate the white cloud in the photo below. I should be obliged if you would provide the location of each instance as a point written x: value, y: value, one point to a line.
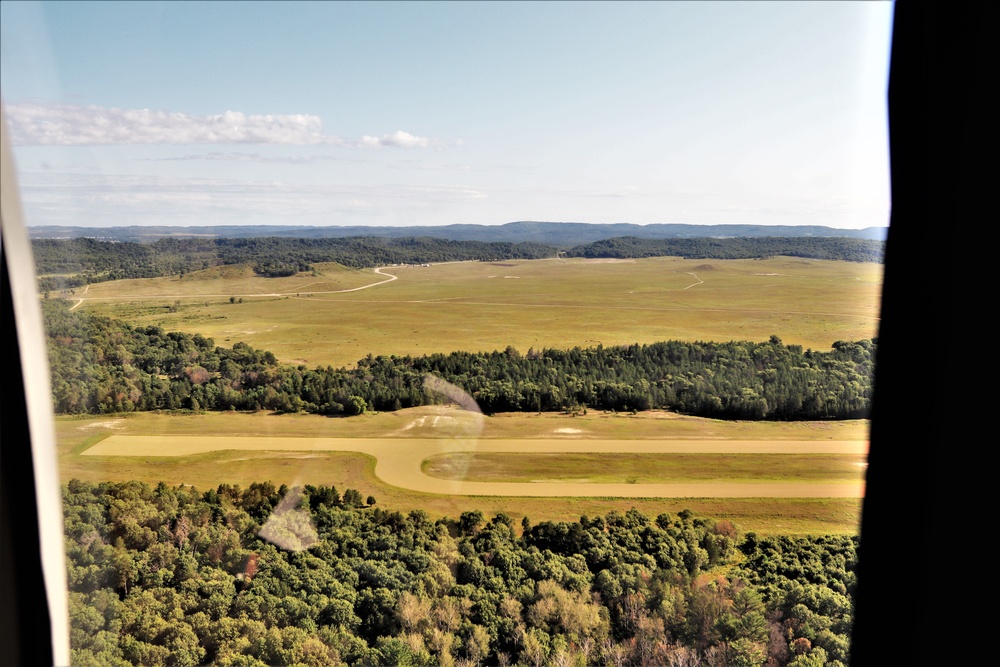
x: 397, y: 139
x: 72, y: 125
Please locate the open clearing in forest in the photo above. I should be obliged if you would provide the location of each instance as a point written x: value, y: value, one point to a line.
x: 398, y: 462
x: 344, y: 469
x: 480, y: 306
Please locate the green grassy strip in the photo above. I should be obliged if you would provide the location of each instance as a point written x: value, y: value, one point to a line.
x: 646, y: 468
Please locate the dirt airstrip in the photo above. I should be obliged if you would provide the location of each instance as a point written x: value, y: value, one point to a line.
x: 398, y: 462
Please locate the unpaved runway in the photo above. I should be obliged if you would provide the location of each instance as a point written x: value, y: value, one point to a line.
x: 398, y: 462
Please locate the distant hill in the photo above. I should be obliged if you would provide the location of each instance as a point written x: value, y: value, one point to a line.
x: 562, y: 235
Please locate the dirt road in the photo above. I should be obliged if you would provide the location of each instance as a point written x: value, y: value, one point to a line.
x: 398, y: 462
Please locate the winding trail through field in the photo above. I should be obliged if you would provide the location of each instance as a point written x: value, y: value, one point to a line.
x: 80, y: 300
x: 388, y: 279
x: 700, y: 281
x: 398, y: 462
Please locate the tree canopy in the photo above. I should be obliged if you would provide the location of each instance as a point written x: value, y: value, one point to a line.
x: 176, y: 576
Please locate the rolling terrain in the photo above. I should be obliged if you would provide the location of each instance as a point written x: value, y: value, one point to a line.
x: 336, y: 316
x: 480, y: 306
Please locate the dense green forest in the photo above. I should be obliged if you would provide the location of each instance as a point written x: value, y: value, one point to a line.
x: 104, y: 365
x: 178, y: 577
x: 70, y: 263
x: 851, y: 250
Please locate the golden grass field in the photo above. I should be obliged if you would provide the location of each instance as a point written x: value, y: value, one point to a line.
x: 479, y: 306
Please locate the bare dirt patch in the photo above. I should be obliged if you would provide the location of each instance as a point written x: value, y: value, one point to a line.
x: 432, y: 421
x: 113, y: 424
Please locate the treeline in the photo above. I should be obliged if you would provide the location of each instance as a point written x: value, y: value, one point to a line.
x: 734, y: 380
x: 75, y: 262
x: 70, y: 263
x: 631, y: 247
x: 104, y: 365
x: 173, y: 576
x: 367, y: 252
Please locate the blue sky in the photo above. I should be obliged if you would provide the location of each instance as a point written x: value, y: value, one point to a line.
x: 438, y: 113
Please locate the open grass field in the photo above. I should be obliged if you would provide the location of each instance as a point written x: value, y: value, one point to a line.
x: 235, y: 280
x: 646, y: 468
x: 480, y: 306
x: 357, y: 470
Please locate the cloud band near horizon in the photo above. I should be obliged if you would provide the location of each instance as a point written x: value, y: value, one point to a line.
x: 73, y: 125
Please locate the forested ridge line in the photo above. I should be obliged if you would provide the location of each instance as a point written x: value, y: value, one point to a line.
x: 70, y: 263
x: 264, y: 576
x: 836, y: 248
x: 104, y: 365
x: 561, y: 234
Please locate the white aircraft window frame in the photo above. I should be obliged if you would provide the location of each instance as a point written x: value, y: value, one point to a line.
x: 38, y: 399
